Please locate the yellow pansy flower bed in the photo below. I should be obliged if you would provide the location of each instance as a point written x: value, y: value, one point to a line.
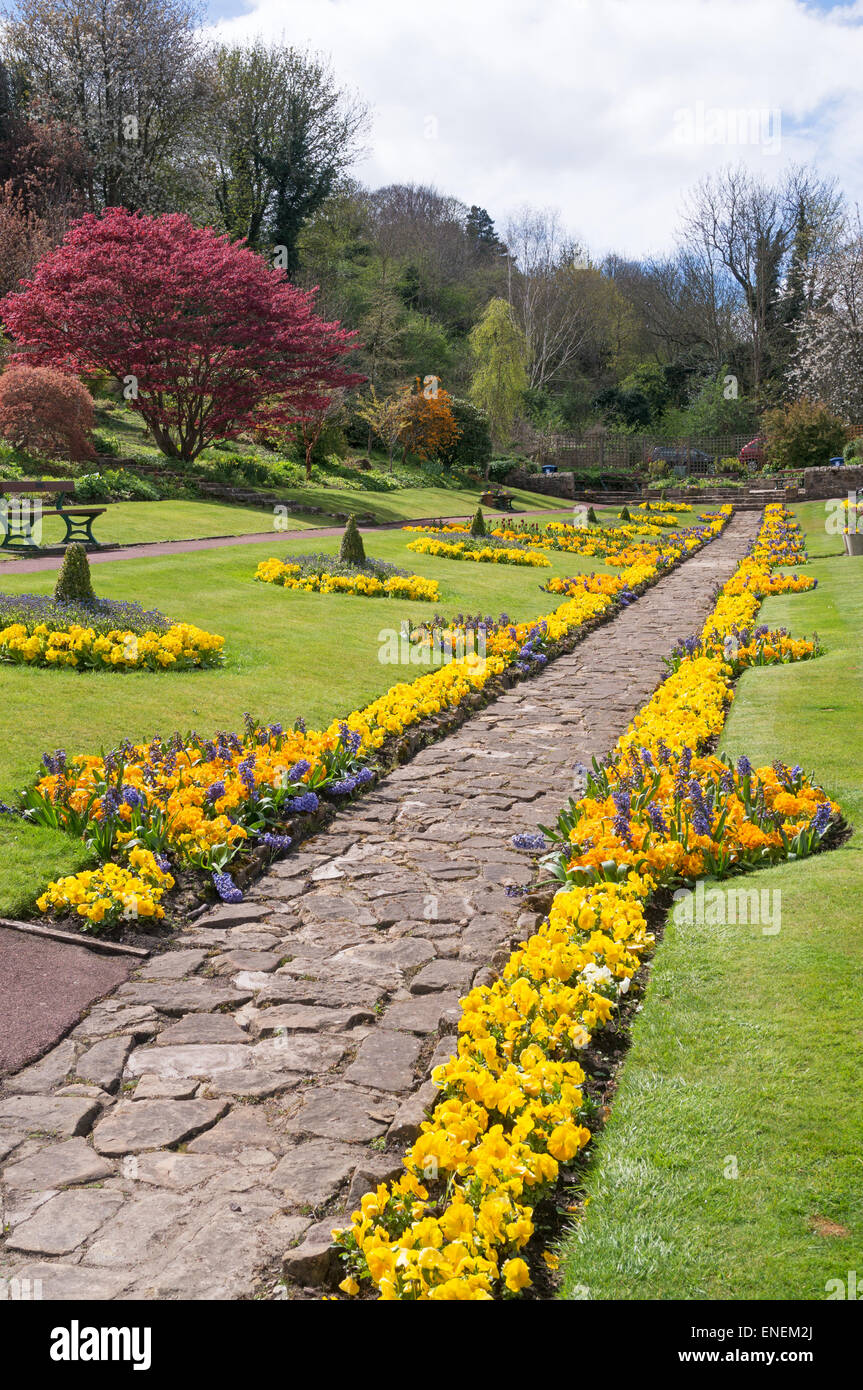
x: 290, y: 576
x: 112, y: 893
x: 486, y: 555
x: 182, y: 648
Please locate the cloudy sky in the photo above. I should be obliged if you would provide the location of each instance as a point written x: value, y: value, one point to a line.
x: 605, y: 109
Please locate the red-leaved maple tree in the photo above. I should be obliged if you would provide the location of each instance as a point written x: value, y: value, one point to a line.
x: 207, y: 338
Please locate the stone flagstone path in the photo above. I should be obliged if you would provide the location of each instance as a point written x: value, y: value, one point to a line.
x: 200, y: 1132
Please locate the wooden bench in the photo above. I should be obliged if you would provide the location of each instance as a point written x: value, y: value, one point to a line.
x: 19, y: 530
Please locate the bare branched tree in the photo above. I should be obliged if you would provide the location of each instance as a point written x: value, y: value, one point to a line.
x: 123, y: 74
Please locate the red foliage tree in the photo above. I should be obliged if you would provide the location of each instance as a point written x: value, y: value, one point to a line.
x: 207, y: 337
x: 46, y: 412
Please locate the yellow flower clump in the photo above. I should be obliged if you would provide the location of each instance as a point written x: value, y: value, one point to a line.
x: 487, y: 555
x: 181, y: 648
x: 287, y: 576
x: 107, y: 895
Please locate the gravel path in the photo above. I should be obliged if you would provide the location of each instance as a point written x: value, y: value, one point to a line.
x: 275, y: 1065
x: 45, y: 987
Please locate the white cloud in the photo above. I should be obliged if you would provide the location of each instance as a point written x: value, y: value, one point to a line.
x: 576, y: 104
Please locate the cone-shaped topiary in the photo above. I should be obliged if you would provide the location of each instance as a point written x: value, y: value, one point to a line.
x: 592, y: 518
x: 624, y: 514
x: 352, y: 551
x: 477, y: 526
x: 73, y: 582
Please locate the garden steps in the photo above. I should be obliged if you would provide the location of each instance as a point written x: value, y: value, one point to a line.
x: 284, y: 1052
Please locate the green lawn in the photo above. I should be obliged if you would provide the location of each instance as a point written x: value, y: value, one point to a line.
x: 749, y: 1047
x: 288, y: 654
x: 130, y: 523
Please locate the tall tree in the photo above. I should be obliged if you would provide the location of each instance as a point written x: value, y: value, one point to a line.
x: 123, y: 74
x: 749, y: 225
x: 208, y: 339
x: 480, y: 232
x: 545, y: 293
x: 283, y: 133
x: 500, y: 377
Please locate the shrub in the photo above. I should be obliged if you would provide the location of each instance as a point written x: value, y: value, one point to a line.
x: 106, y: 443
x: 477, y: 526
x: 473, y: 445
x: 46, y: 412
x: 73, y: 582
x: 116, y: 485
x: 352, y: 550
x: 592, y: 518
x: 732, y: 464
x: 625, y: 514
x: 854, y: 451
x: 658, y: 468
x: 499, y: 469
x: 805, y: 434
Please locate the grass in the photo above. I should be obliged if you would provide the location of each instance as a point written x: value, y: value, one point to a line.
x: 130, y: 523
x: 749, y: 1047
x: 289, y: 653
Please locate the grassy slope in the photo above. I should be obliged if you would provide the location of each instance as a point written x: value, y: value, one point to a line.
x: 288, y: 654
x: 750, y: 1045
x: 130, y: 523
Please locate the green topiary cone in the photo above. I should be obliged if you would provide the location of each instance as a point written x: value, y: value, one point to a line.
x: 73, y: 582
x: 592, y: 518
x: 624, y: 514
x: 352, y: 551
x: 477, y: 526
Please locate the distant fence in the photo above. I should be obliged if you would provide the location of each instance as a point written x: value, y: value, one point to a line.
x: 631, y: 452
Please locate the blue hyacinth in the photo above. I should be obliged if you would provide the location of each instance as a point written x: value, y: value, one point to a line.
x: 530, y: 841
x: 227, y: 888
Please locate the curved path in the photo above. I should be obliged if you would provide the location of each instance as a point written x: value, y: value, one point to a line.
x: 205, y: 1127
x: 37, y: 563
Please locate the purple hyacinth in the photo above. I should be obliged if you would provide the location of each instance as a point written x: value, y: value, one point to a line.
x: 110, y: 803
x: 657, y: 820
x: 702, y: 820
x: 163, y: 863
x: 214, y: 792
x: 821, y: 819
x: 530, y: 842
x: 744, y: 766
x: 299, y: 770
x: 623, y: 802
x: 279, y: 843
x: 227, y: 888
x: 303, y: 805
x: 344, y: 787
x: 132, y: 797
x: 350, y: 738
x: 246, y: 770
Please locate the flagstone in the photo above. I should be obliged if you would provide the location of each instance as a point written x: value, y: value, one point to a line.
x: 134, y: 1126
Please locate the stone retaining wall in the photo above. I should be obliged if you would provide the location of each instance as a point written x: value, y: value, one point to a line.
x: 831, y: 482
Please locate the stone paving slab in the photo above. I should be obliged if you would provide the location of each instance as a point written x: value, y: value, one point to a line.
x: 235, y: 1098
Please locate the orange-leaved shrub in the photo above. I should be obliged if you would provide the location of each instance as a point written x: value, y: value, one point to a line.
x: 46, y: 411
